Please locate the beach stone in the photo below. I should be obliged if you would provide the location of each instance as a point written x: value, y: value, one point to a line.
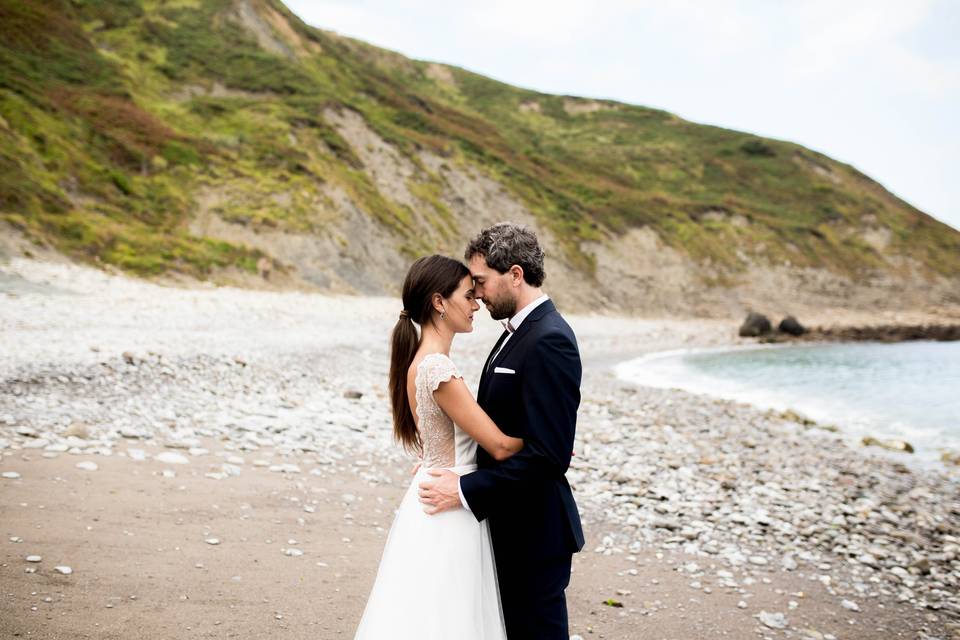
x: 65, y: 570
x: 33, y: 558
x: 850, y: 605
x: 755, y: 325
x: 86, y: 465
x: 293, y: 552
x: 171, y: 457
x: 791, y: 326
x: 892, y: 445
x: 213, y: 541
x: 352, y: 394
x: 773, y: 620
x: 77, y: 430
x: 10, y: 475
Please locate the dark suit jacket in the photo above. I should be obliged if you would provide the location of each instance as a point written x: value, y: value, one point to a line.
x: 527, y: 498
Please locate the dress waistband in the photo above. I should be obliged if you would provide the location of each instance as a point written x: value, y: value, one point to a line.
x: 459, y: 470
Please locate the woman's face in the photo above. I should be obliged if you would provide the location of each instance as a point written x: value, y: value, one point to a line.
x: 461, y: 306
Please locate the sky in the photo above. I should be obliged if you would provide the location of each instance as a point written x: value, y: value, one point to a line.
x: 874, y: 83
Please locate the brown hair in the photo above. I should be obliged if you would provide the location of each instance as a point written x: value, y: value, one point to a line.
x: 506, y: 244
x: 427, y: 276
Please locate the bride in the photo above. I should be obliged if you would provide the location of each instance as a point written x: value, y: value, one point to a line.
x: 437, y: 577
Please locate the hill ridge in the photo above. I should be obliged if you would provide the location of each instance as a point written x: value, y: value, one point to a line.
x: 205, y: 138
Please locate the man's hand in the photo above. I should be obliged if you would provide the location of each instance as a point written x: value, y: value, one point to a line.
x: 442, y: 494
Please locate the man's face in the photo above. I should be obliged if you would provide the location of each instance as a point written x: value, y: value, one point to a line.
x: 492, y: 288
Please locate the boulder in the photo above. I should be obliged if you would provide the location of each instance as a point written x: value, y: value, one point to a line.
x: 892, y: 445
x: 755, y: 325
x: 791, y: 326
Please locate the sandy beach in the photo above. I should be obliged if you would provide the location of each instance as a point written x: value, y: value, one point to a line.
x: 217, y: 463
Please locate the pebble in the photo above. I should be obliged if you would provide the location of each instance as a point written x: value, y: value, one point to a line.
x: 212, y: 540
x: 293, y: 552
x: 171, y: 457
x: 86, y: 465
x: 11, y: 475
x: 850, y: 605
x: 33, y: 558
x: 773, y: 620
x: 65, y: 570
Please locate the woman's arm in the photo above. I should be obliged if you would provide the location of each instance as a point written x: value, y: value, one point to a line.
x: 455, y: 399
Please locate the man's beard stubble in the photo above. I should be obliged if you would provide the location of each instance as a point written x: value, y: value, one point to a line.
x: 502, y: 309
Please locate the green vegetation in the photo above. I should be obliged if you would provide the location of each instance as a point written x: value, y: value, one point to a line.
x: 116, y: 115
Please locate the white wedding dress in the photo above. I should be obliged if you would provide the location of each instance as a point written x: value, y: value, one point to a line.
x: 437, y: 578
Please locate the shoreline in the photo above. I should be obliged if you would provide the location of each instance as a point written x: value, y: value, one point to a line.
x: 926, y: 457
x: 237, y: 418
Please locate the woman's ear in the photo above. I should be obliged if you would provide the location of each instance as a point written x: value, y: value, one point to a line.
x: 437, y: 302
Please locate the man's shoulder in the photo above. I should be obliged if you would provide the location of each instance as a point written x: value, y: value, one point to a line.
x: 553, y: 333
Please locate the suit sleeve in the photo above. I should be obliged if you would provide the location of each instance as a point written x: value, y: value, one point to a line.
x: 550, y: 392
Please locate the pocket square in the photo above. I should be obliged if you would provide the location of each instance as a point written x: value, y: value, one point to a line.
x: 503, y: 370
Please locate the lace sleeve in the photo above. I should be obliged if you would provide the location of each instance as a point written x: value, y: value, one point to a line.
x: 440, y: 369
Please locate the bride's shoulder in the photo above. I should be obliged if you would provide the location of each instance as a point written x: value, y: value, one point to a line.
x: 437, y: 368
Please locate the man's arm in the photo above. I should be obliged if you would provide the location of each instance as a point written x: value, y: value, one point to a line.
x: 550, y: 396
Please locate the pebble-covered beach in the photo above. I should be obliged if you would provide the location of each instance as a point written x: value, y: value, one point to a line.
x: 212, y: 462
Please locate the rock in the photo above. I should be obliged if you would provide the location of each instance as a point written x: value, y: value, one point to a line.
x: 773, y: 620
x: 213, y: 541
x: 65, y: 570
x: 788, y: 563
x: 293, y: 552
x: 10, y: 475
x: 86, y: 465
x: 850, y: 605
x: 791, y: 326
x: 285, y: 468
x: 33, y: 558
x: 756, y: 324
x: 352, y: 394
x: 950, y: 457
x: 892, y: 445
x: 77, y: 430
x: 129, y: 358
x: 171, y: 457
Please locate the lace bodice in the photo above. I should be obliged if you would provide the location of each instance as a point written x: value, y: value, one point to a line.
x: 444, y: 443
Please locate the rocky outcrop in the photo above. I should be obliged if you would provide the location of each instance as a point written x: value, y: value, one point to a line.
x: 755, y: 325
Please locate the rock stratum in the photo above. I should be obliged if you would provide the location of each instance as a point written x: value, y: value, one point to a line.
x: 227, y: 140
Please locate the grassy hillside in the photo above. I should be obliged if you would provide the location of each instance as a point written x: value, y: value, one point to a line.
x: 115, y: 115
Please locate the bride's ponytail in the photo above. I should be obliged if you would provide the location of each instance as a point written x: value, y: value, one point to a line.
x: 427, y: 276
x: 403, y: 346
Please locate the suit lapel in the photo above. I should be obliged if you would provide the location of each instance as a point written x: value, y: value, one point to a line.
x: 535, y: 316
x: 486, y: 365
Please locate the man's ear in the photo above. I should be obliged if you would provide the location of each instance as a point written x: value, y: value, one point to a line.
x: 516, y: 275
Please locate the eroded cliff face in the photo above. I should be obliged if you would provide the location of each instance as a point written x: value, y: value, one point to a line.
x: 636, y: 272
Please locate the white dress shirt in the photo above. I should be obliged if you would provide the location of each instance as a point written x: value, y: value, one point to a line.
x: 514, y: 322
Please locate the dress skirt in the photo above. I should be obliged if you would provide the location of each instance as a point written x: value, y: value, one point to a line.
x: 437, y: 578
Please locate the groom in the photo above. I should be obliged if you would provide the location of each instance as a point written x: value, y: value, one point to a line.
x: 530, y: 387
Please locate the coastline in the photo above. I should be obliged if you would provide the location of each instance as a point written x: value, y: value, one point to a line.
x: 692, y: 505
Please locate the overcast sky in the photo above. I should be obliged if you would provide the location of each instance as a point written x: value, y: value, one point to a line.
x: 875, y: 83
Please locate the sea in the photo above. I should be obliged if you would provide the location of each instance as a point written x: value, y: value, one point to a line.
x: 906, y: 391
